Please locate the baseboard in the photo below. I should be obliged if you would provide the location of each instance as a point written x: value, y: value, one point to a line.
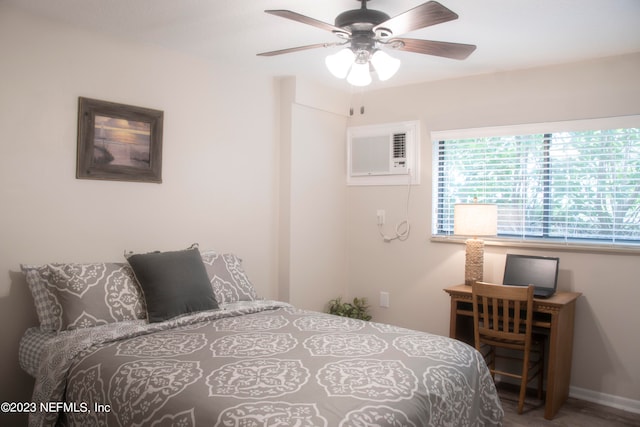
x: 623, y: 403
x: 617, y: 402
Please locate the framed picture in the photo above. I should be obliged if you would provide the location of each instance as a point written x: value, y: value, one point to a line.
x: 118, y: 142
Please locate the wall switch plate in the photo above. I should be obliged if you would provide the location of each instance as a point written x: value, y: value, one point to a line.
x: 384, y: 299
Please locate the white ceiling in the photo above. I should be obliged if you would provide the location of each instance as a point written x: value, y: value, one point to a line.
x: 509, y: 34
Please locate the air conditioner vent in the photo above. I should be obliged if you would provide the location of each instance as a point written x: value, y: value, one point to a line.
x: 400, y: 145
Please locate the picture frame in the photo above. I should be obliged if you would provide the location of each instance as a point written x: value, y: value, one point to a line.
x: 118, y: 142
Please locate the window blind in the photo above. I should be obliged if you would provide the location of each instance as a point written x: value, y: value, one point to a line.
x: 569, y: 182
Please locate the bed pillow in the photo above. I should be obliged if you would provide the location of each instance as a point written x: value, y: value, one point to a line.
x: 72, y: 296
x: 227, y: 278
x: 173, y: 283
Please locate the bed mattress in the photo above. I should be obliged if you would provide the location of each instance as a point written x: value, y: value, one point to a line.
x: 259, y: 363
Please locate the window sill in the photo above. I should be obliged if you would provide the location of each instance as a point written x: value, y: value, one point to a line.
x: 532, y: 244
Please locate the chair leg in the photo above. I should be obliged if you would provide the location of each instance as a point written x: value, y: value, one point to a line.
x: 541, y: 369
x: 523, y: 383
x: 492, y: 362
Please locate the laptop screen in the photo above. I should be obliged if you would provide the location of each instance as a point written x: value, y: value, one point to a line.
x: 523, y: 270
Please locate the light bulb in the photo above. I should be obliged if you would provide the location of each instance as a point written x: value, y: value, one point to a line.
x: 340, y: 62
x: 386, y: 66
x: 359, y: 75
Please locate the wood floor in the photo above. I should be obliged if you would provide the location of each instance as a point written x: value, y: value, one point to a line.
x: 574, y: 412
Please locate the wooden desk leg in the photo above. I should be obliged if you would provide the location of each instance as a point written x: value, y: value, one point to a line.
x: 453, y: 318
x: 559, y: 366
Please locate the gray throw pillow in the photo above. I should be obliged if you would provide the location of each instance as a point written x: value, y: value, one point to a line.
x: 173, y: 283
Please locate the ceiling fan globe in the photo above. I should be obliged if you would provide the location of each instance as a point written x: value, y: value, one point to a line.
x: 359, y: 75
x: 339, y: 63
x: 385, y: 65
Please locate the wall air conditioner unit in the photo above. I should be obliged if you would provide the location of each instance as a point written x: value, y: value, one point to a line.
x: 386, y: 154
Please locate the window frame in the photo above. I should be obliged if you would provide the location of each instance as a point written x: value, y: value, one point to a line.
x: 545, y: 128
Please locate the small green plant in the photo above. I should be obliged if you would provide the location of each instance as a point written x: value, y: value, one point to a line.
x: 358, y: 309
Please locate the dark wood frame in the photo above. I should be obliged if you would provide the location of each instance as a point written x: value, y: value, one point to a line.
x: 88, y: 168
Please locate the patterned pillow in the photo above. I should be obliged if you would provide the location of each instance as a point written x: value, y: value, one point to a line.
x: 228, y: 279
x: 72, y: 296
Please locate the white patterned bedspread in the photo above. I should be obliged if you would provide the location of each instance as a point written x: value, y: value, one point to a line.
x: 264, y: 364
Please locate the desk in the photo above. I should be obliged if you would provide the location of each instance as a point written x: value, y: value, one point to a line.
x: 555, y: 314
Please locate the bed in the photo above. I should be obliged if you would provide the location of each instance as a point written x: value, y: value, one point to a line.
x: 247, y: 362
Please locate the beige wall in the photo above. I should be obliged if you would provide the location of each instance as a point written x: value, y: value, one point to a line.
x: 219, y: 168
x: 313, y: 197
x: 606, y: 351
x: 318, y: 237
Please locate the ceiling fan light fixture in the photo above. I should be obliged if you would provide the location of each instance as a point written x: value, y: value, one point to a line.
x: 365, y: 29
x: 359, y: 75
x: 340, y: 62
x: 385, y: 65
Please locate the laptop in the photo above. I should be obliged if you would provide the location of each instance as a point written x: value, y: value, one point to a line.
x: 539, y: 271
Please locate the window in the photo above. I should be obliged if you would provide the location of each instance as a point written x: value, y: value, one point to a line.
x: 569, y: 182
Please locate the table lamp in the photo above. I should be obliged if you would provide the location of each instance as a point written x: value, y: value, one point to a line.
x: 474, y: 219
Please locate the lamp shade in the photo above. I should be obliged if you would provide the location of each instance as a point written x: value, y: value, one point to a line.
x: 475, y: 219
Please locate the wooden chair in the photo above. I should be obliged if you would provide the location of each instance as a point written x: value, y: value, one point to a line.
x: 503, y: 317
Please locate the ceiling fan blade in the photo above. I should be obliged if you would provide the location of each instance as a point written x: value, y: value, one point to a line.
x: 297, y: 49
x: 294, y: 16
x: 430, y: 47
x: 425, y: 15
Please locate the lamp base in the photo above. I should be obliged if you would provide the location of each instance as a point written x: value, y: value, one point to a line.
x: 474, y: 261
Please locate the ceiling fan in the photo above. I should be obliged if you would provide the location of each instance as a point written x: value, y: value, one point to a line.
x: 367, y: 31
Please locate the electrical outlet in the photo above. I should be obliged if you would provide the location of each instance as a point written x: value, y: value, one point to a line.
x: 380, y: 214
x: 384, y: 299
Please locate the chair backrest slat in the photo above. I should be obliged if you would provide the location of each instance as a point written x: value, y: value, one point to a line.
x: 506, y: 321
x: 502, y: 312
x: 485, y: 309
